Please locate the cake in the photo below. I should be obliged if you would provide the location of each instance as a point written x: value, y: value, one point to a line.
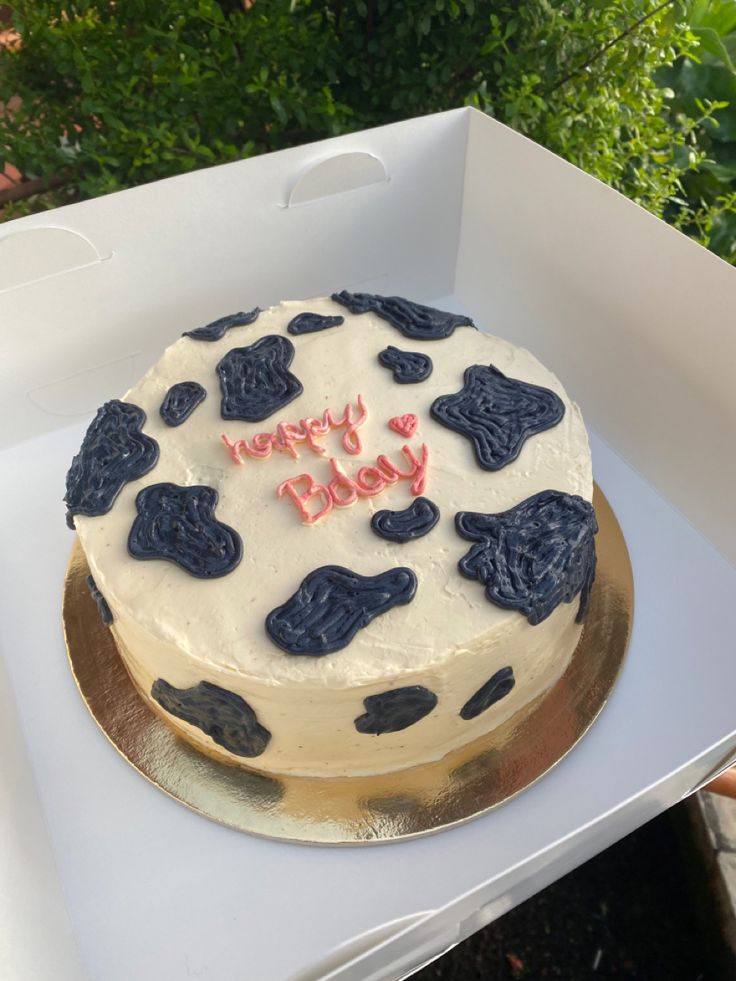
x: 340, y: 536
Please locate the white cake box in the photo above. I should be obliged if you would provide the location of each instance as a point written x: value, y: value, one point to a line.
x: 104, y: 877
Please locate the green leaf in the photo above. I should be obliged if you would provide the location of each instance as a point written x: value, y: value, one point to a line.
x: 278, y: 108
x: 723, y: 172
x: 711, y: 42
x: 729, y: 41
x: 699, y: 11
x: 720, y: 15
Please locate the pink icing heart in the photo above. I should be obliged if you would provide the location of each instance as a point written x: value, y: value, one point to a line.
x: 405, y: 425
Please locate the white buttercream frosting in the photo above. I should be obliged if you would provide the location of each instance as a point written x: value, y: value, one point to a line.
x: 450, y: 638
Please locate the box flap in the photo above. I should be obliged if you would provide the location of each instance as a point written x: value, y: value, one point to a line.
x: 376, y: 210
x: 632, y: 315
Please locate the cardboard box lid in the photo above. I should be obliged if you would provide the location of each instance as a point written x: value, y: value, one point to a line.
x: 457, y: 216
x: 632, y: 315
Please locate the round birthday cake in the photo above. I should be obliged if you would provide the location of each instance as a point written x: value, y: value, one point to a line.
x: 341, y: 536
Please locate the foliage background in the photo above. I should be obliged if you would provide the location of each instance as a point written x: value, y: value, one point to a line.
x: 639, y: 93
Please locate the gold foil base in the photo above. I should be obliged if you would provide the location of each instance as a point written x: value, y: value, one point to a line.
x: 362, y: 810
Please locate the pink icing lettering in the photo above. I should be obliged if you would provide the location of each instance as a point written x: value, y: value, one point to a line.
x: 287, y: 434
x: 341, y: 479
x: 420, y: 469
x: 351, y: 440
x: 233, y: 448
x: 389, y: 471
x: 370, y: 481
x: 300, y: 500
x: 285, y: 437
x: 342, y: 491
x: 313, y: 428
x: 261, y: 446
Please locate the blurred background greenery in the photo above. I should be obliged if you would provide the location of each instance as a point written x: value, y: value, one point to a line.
x: 100, y: 95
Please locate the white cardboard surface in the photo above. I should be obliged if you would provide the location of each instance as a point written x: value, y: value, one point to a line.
x: 221, y: 240
x: 156, y: 892
x: 635, y: 316
x: 32, y: 912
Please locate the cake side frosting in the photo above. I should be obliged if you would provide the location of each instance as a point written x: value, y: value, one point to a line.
x: 313, y: 729
x: 448, y: 640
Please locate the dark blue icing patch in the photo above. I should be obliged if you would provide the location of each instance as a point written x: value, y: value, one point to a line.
x: 394, y: 710
x: 412, y: 319
x: 497, y: 414
x: 408, y: 367
x: 404, y: 526
x: 114, y: 451
x: 221, y: 714
x: 256, y: 381
x: 332, y: 604
x: 497, y: 687
x: 178, y: 524
x: 180, y: 402
x: 104, y: 609
x: 218, y: 328
x: 310, y: 323
x: 534, y: 556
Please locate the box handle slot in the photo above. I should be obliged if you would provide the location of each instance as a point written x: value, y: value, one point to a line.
x: 34, y: 254
x: 345, y: 172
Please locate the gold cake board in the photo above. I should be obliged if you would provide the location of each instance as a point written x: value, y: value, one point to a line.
x: 362, y: 810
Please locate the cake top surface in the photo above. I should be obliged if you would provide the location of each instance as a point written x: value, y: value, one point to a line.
x: 411, y: 417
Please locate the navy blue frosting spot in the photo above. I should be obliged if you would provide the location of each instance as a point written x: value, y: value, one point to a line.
x: 310, y: 323
x: 178, y: 524
x: 114, y: 451
x: 497, y: 413
x: 256, y: 381
x: 412, y: 319
x: 534, y: 556
x: 497, y: 687
x: 180, y: 402
x: 394, y: 710
x: 404, y: 526
x: 104, y: 610
x: 218, y: 328
x: 221, y: 714
x: 408, y: 367
x: 332, y: 604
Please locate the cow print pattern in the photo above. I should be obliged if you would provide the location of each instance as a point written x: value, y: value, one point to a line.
x: 221, y: 714
x: 102, y: 607
x: 405, y: 526
x: 310, y: 323
x: 534, y: 556
x: 178, y: 524
x: 408, y: 367
x: 392, y: 711
x: 218, y: 328
x: 113, y: 452
x: 497, y: 414
x: 180, y: 402
x: 530, y: 558
x: 497, y: 687
x: 332, y: 604
x: 412, y: 319
x: 255, y: 381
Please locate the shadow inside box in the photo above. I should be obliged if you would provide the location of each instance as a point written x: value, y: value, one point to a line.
x: 642, y: 909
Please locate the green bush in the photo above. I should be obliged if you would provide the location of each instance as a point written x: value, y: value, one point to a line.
x: 117, y: 94
x: 706, y: 208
